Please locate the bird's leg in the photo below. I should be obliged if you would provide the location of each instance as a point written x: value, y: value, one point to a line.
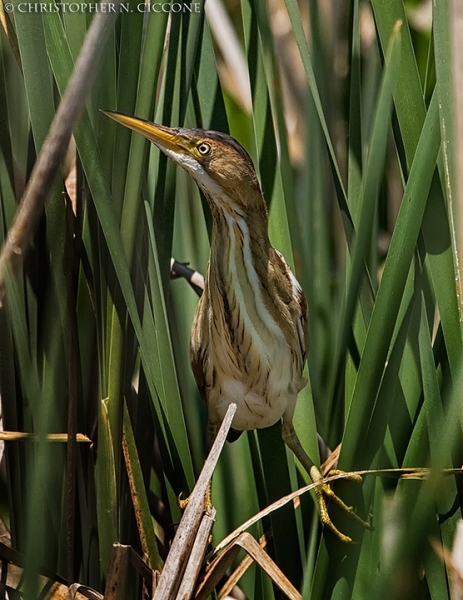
x: 323, y: 491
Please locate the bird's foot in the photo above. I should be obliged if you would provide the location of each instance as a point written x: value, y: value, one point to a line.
x: 324, y: 493
x: 207, y: 504
x: 182, y: 503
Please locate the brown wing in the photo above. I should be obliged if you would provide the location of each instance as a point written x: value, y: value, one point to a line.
x: 198, y: 345
x: 297, y: 304
x: 302, y: 324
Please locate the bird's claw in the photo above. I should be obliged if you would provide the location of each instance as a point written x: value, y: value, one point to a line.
x: 207, y: 500
x: 349, y: 477
x: 181, y: 502
x: 324, y: 492
x: 207, y: 504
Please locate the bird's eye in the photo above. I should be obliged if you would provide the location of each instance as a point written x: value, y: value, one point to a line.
x: 204, y: 148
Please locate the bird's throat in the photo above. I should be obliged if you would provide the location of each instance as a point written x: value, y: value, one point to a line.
x: 239, y: 247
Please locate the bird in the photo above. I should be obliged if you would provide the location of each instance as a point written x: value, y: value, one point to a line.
x: 249, y: 337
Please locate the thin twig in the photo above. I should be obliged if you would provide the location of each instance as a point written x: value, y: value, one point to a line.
x: 19, y: 436
x: 188, y: 527
x: 417, y: 473
x: 196, y: 558
x: 56, y: 143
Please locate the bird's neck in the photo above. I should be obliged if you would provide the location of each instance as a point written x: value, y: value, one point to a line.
x: 239, y: 241
x: 241, y: 296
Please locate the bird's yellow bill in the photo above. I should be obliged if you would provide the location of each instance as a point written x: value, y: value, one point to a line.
x: 158, y: 134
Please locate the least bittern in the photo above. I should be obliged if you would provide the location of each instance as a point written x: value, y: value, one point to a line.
x: 249, y: 334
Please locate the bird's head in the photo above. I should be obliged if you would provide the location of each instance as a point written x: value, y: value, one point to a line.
x: 217, y: 162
